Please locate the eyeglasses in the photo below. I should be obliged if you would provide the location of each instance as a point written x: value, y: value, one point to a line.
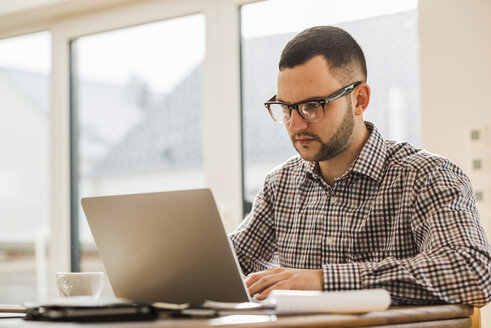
x: 309, y: 110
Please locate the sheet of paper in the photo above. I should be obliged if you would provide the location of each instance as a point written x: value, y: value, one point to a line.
x: 12, y: 308
x: 357, y: 301
x: 170, y: 306
x: 245, y: 306
x: 11, y: 315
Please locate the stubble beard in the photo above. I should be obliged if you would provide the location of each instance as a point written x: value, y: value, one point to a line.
x: 337, y: 144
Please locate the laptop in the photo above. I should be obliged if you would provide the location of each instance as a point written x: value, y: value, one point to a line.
x: 165, y: 247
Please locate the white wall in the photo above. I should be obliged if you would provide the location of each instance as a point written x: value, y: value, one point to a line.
x: 455, y: 52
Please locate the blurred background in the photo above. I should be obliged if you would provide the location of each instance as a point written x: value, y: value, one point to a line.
x: 126, y: 96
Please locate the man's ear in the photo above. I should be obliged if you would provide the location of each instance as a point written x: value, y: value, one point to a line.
x: 362, y: 98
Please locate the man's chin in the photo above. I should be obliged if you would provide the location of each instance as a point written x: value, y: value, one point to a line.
x: 306, y: 153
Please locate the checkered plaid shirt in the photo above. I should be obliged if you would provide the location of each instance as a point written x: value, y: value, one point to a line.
x: 400, y: 218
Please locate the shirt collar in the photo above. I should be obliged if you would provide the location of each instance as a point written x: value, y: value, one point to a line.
x: 312, y: 169
x: 370, y: 161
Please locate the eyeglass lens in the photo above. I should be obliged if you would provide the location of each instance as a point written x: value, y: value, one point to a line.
x: 310, y: 111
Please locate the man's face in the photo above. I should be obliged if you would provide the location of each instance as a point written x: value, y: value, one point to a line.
x: 325, y: 139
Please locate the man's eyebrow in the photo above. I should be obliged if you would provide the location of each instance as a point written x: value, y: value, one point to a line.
x: 301, y: 101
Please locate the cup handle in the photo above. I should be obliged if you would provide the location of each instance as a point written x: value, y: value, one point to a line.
x: 63, y: 284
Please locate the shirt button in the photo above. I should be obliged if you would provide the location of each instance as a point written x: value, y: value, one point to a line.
x: 329, y: 241
x: 334, y: 200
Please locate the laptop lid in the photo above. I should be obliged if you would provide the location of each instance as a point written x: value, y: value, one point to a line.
x: 165, y: 246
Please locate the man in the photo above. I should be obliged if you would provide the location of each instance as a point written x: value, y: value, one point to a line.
x: 354, y: 210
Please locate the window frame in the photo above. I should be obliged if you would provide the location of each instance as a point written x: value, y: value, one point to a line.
x: 221, y: 102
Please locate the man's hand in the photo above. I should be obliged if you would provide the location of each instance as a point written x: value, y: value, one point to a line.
x: 263, y: 282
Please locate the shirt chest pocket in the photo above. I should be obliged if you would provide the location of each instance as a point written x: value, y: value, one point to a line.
x: 372, y: 233
x: 383, y: 231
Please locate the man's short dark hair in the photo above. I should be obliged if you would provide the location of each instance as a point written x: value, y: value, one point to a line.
x: 343, y: 54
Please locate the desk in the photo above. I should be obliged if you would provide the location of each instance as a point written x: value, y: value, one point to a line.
x: 454, y: 316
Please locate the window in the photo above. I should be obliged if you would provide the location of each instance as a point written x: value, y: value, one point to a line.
x: 136, y: 114
x: 387, y: 33
x: 24, y: 168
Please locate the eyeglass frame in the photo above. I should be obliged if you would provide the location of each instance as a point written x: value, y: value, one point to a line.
x: 323, y: 102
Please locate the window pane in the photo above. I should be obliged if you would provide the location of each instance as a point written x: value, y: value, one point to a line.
x: 24, y: 166
x: 138, y: 105
x: 387, y: 33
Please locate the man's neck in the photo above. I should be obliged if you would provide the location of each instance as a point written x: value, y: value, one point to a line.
x: 337, y: 166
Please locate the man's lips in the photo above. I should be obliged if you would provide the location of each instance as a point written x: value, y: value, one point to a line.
x: 304, y: 141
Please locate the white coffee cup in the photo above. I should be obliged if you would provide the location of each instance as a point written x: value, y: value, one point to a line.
x: 79, y: 283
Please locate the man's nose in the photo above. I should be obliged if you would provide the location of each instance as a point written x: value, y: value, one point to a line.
x: 297, y: 123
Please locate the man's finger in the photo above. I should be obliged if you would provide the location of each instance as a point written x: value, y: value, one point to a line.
x: 253, y: 277
x: 263, y: 282
x: 283, y: 284
x: 266, y: 281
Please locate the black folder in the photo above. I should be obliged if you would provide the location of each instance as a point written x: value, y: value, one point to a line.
x: 102, y: 313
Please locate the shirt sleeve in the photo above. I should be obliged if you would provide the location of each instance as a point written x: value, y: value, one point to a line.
x: 454, y: 262
x: 254, y: 240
